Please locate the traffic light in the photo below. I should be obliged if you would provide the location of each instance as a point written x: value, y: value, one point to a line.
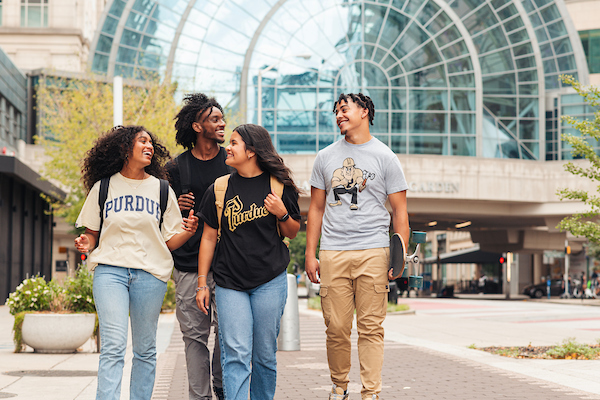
x: 402, y: 284
x: 83, y: 257
x: 501, y: 260
x: 568, y: 250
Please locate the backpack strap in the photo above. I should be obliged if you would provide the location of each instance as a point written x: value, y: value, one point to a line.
x: 164, y: 198
x: 220, y: 188
x: 277, y: 187
x: 185, y: 178
x: 104, y: 182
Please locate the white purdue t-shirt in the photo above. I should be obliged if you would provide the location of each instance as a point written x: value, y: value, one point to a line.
x: 130, y: 236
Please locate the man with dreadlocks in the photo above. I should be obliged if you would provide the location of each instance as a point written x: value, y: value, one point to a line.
x: 200, y: 129
x: 354, y: 249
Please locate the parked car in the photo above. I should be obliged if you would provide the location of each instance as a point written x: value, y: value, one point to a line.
x: 540, y: 290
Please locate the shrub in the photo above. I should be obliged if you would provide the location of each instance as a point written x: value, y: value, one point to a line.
x: 33, y: 294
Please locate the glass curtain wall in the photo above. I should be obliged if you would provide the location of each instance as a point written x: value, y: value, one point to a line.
x: 448, y: 77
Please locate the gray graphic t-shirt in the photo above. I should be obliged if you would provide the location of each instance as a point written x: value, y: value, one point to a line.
x: 357, y: 180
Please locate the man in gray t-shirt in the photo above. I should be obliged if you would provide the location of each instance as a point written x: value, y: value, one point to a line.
x: 350, y: 183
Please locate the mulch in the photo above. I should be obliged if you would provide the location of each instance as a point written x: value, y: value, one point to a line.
x: 538, y: 352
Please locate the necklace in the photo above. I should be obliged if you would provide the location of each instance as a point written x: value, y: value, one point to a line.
x: 134, y: 187
x: 139, y: 182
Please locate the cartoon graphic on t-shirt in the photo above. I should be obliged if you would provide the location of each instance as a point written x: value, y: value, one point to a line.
x: 349, y: 179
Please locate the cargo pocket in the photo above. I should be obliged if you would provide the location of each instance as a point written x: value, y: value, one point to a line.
x: 380, y: 299
x: 325, y: 304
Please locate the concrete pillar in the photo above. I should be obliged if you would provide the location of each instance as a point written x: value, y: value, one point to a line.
x: 538, y: 259
x: 289, y: 329
x: 514, y: 275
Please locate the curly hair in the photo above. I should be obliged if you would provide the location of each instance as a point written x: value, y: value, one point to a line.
x: 360, y: 100
x: 111, y: 150
x: 258, y: 140
x: 195, y: 105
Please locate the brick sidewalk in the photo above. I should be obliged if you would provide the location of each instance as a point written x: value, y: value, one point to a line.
x: 409, y: 372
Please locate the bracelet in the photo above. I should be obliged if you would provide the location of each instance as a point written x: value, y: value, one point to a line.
x: 201, y: 288
x: 200, y: 276
x: 284, y: 218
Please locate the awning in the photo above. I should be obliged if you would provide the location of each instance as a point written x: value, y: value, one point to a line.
x: 12, y: 166
x: 472, y: 255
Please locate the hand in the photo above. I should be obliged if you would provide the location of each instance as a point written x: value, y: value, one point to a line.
x: 391, y: 274
x: 275, y: 205
x: 82, y: 243
x: 203, y: 300
x: 186, y: 201
x: 190, y: 223
x: 312, y: 268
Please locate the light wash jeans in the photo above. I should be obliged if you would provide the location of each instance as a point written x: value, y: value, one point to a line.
x: 248, y: 329
x: 120, y: 294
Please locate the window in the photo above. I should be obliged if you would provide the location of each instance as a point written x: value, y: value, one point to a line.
x: 0, y: 12
x: 34, y: 13
x: 591, y: 46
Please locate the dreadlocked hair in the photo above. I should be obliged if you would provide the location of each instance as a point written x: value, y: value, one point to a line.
x: 360, y: 100
x: 195, y: 105
x: 257, y: 139
x: 111, y: 151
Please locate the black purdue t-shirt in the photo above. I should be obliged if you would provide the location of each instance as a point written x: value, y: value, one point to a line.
x: 250, y: 251
x: 202, y: 175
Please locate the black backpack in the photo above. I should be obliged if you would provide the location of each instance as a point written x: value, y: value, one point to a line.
x: 104, y: 182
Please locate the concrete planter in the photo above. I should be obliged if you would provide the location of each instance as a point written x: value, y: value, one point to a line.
x: 57, y: 333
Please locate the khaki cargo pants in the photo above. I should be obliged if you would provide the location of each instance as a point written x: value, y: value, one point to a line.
x: 355, y: 279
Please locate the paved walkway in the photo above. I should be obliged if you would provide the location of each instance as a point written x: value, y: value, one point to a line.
x: 415, y: 367
x: 409, y: 372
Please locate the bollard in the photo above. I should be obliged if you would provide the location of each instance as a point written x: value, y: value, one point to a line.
x: 289, y: 329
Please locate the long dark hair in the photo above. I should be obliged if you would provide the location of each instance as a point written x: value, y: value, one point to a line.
x: 111, y: 150
x: 195, y: 105
x: 258, y: 140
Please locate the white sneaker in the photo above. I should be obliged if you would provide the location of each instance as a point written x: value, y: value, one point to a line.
x: 337, y: 393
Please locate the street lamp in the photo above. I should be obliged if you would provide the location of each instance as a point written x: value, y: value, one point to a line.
x: 260, y: 75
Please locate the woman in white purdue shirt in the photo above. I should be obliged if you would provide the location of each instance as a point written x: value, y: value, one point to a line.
x: 131, y: 258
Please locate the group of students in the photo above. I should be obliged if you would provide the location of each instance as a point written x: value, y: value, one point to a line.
x: 233, y: 263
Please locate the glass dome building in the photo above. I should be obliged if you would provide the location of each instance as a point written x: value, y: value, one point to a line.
x: 474, y: 78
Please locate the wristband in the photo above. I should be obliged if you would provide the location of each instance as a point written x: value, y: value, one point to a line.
x: 201, y: 288
x: 284, y: 218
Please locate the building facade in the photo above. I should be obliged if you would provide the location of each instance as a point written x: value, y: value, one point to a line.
x: 467, y: 93
x: 26, y: 221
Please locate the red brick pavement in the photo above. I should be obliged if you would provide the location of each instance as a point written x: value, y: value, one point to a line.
x: 409, y: 372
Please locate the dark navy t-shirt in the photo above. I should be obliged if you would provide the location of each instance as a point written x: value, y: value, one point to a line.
x: 250, y: 251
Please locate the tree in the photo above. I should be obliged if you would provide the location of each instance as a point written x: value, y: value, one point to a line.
x: 74, y: 112
x: 583, y: 224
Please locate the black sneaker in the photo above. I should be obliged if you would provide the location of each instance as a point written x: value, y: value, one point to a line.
x: 219, y: 393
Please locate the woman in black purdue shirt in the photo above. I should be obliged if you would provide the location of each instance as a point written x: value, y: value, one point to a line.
x: 250, y: 263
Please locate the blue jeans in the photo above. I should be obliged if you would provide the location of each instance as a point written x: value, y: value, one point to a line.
x: 120, y: 294
x: 248, y: 330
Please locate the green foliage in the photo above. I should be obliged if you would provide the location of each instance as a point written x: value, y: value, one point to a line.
x: 472, y: 346
x: 75, y: 112
x: 508, y: 352
x: 17, y: 328
x: 391, y: 307
x: 79, y: 295
x: 297, y: 247
x: 169, y: 302
x: 572, y: 350
x: 581, y: 224
x: 314, y: 303
x: 33, y: 294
